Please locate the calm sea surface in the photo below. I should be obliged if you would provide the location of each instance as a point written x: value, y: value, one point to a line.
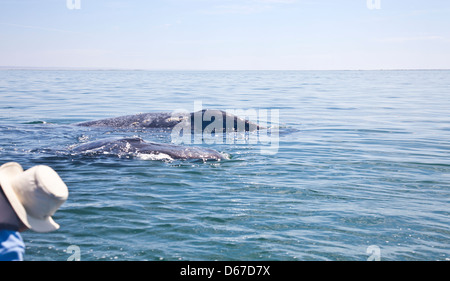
x: 362, y: 168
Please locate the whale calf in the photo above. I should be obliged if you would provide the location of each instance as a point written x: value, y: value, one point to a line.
x: 138, y: 146
x: 199, y: 120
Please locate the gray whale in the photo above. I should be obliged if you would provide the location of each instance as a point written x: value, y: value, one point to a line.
x: 136, y: 145
x: 221, y: 120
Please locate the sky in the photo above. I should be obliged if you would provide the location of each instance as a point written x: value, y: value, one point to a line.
x: 226, y: 34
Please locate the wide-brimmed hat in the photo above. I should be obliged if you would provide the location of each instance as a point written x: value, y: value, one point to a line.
x: 35, y: 194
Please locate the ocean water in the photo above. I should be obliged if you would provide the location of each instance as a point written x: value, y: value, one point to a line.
x: 361, y: 170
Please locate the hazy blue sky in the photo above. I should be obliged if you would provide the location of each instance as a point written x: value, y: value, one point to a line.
x: 226, y: 34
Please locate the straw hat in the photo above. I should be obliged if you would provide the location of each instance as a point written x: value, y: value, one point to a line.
x: 35, y: 194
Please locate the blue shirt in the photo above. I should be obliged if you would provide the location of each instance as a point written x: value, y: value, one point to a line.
x: 12, y: 247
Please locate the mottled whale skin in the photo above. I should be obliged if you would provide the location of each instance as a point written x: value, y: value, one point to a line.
x: 168, y: 120
x: 139, y: 146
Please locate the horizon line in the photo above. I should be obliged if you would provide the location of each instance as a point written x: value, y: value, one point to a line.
x: 168, y: 69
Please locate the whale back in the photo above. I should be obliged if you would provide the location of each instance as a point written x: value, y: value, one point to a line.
x: 218, y: 119
x: 137, y: 146
x: 142, y: 120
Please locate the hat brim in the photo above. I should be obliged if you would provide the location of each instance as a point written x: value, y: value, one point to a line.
x: 45, y: 225
x: 8, y: 172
